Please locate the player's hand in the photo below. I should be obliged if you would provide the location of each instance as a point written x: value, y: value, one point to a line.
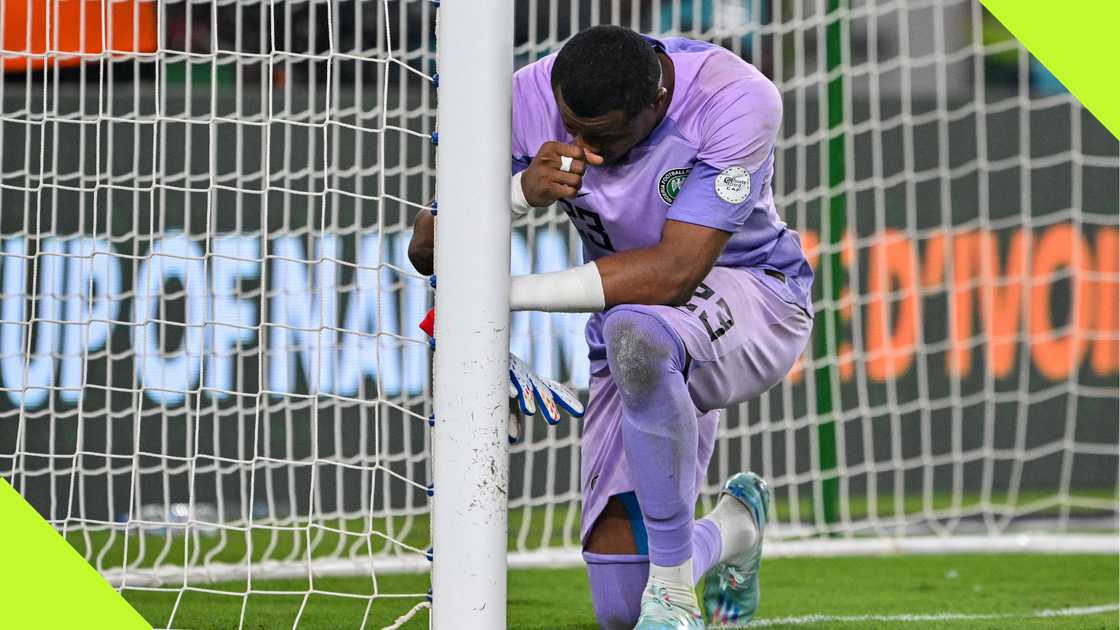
x: 534, y: 393
x: 528, y: 391
x: 544, y: 182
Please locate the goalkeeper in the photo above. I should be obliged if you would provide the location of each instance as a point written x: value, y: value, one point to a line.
x: 662, y: 154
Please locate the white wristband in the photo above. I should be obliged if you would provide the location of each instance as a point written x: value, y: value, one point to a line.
x: 518, y: 203
x: 576, y: 290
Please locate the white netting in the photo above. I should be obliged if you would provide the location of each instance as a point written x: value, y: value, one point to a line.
x: 211, y: 368
x: 975, y: 361
x: 973, y: 367
x: 205, y: 302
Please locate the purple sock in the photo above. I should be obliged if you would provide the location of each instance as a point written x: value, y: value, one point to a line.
x: 659, y: 433
x: 617, y: 581
x: 706, y: 547
x: 616, y: 588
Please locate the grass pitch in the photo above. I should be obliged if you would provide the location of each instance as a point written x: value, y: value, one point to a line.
x: 951, y: 591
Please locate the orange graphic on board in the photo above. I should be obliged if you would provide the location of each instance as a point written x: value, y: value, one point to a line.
x: 1052, y: 293
x: 76, y: 31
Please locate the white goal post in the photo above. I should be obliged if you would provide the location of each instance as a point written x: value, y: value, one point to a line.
x: 211, y: 375
x: 471, y: 443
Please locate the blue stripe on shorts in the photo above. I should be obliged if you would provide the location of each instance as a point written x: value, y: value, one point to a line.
x: 637, y: 525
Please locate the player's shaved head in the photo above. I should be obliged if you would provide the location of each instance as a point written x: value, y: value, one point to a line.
x: 611, y: 89
x: 605, y: 69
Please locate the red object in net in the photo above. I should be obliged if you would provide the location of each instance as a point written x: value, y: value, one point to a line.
x: 428, y: 325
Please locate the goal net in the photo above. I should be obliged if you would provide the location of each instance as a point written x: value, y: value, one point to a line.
x: 210, y: 366
x: 211, y: 375
x: 960, y: 209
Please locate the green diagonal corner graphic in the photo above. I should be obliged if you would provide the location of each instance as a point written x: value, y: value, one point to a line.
x: 1078, y: 44
x: 45, y: 582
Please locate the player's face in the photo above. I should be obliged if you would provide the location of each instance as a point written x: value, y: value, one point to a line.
x: 613, y: 134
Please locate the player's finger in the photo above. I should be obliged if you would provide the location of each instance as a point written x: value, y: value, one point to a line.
x: 568, y: 150
x: 563, y: 190
x: 577, y: 165
x: 592, y: 158
x: 514, y: 427
x: 545, y: 402
x: 564, y: 397
x: 547, y: 405
x: 568, y: 179
x: 520, y: 380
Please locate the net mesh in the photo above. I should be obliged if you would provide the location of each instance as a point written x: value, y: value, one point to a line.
x: 210, y: 370
x: 971, y: 367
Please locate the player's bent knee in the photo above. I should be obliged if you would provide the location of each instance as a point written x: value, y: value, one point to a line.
x: 641, y: 350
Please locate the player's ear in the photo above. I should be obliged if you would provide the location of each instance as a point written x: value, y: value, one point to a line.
x: 662, y: 92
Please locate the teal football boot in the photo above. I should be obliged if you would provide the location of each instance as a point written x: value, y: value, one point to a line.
x: 731, y: 588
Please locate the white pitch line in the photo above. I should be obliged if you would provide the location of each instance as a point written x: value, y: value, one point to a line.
x: 1041, y: 614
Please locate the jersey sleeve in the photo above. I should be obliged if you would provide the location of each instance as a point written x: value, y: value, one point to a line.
x: 527, y: 111
x: 735, y: 159
x: 521, y: 157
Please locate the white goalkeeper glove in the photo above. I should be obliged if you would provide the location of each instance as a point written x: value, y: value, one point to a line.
x: 534, y: 393
x: 528, y: 392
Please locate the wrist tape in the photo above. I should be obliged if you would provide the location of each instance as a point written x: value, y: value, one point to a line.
x: 575, y: 290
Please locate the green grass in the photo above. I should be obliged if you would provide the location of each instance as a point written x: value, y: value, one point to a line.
x: 543, y: 529
x: 1004, y: 585
x: 1011, y: 586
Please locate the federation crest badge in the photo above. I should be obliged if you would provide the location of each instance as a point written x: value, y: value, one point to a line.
x: 670, y: 183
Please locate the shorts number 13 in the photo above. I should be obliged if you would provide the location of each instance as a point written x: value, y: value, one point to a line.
x: 704, y: 293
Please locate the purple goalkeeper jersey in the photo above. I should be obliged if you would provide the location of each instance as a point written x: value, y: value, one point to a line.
x: 709, y: 162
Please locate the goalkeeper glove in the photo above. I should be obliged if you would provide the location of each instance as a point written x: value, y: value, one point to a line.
x: 529, y: 391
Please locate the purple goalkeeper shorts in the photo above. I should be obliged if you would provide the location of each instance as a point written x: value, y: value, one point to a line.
x: 741, y: 338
